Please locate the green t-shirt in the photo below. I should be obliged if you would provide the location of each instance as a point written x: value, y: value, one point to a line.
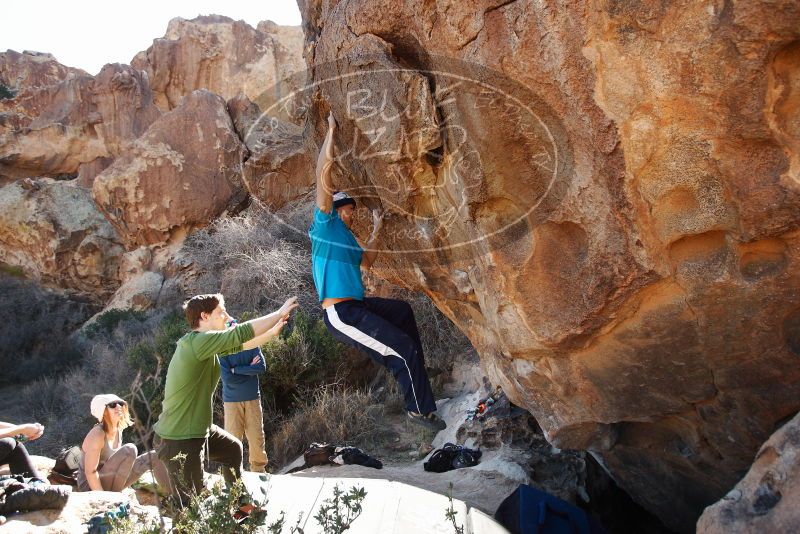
x: 192, y: 377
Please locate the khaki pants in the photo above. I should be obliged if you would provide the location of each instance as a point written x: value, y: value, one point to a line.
x: 246, y: 418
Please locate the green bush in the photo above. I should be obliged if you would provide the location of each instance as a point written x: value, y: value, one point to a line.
x: 6, y: 92
x: 335, y: 515
x: 106, y: 322
x: 134, y: 525
x: 304, y: 357
x: 212, y: 513
x: 451, y: 515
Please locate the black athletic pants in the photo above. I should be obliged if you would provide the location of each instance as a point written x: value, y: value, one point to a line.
x: 14, y: 454
x: 386, y: 330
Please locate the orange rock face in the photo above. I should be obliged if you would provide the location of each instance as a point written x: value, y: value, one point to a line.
x: 604, y: 197
x: 279, y: 167
x: 222, y: 55
x: 69, y: 122
x: 29, y: 70
x: 182, y: 173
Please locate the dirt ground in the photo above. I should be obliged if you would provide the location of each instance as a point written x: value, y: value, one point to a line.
x: 406, y: 447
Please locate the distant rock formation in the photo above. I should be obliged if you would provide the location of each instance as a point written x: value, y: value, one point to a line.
x: 181, y: 174
x: 280, y: 168
x: 222, y: 55
x: 52, y: 231
x: 149, y: 148
x: 33, y: 70
x: 61, y: 127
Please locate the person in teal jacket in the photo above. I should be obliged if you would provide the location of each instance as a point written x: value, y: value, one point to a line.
x: 185, y: 424
x: 384, y: 329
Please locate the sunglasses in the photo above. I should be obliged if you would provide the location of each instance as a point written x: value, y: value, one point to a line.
x: 114, y: 404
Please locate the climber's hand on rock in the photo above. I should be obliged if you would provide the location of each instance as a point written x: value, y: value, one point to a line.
x: 331, y: 121
x: 377, y: 221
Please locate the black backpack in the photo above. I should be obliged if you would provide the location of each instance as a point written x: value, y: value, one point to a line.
x: 319, y: 454
x: 451, y: 457
x: 66, y: 467
x: 354, y: 455
x: 316, y: 454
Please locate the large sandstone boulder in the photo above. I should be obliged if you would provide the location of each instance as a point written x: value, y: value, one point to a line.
x: 78, y: 124
x: 52, y: 231
x: 766, y: 498
x: 45, y: 130
x: 604, y: 198
x: 223, y: 56
x: 182, y: 173
x: 138, y: 292
x: 280, y: 167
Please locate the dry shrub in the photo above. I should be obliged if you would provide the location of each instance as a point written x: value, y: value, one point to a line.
x: 35, y: 325
x: 332, y: 414
x: 61, y: 403
x: 385, y: 390
x: 253, y: 260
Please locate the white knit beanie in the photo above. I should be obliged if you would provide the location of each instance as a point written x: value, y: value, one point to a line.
x: 99, y: 402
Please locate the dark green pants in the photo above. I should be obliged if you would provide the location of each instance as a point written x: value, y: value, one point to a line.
x: 185, y: 460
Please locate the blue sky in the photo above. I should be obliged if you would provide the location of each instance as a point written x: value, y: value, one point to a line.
x: 89, y: 34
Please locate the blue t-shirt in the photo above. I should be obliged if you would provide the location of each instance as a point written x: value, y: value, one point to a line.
x: 335, y: 257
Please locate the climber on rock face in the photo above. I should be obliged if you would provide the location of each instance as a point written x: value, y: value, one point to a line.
x: 383, y: 328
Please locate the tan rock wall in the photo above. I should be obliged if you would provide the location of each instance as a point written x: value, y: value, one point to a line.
x: 222, y: 55
x: 628, y: 268
x: 61, y: 127
x: 181, y: 174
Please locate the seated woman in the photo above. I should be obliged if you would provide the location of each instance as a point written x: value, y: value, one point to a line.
x: 107, y: 464
x: 12, y: 451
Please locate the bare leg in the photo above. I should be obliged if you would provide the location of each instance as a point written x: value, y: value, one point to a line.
x: 149, y: 461
x: 115, y: 472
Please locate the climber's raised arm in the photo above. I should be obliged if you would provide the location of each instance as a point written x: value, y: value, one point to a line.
x: 324, y: 166
x: 370, y: 249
